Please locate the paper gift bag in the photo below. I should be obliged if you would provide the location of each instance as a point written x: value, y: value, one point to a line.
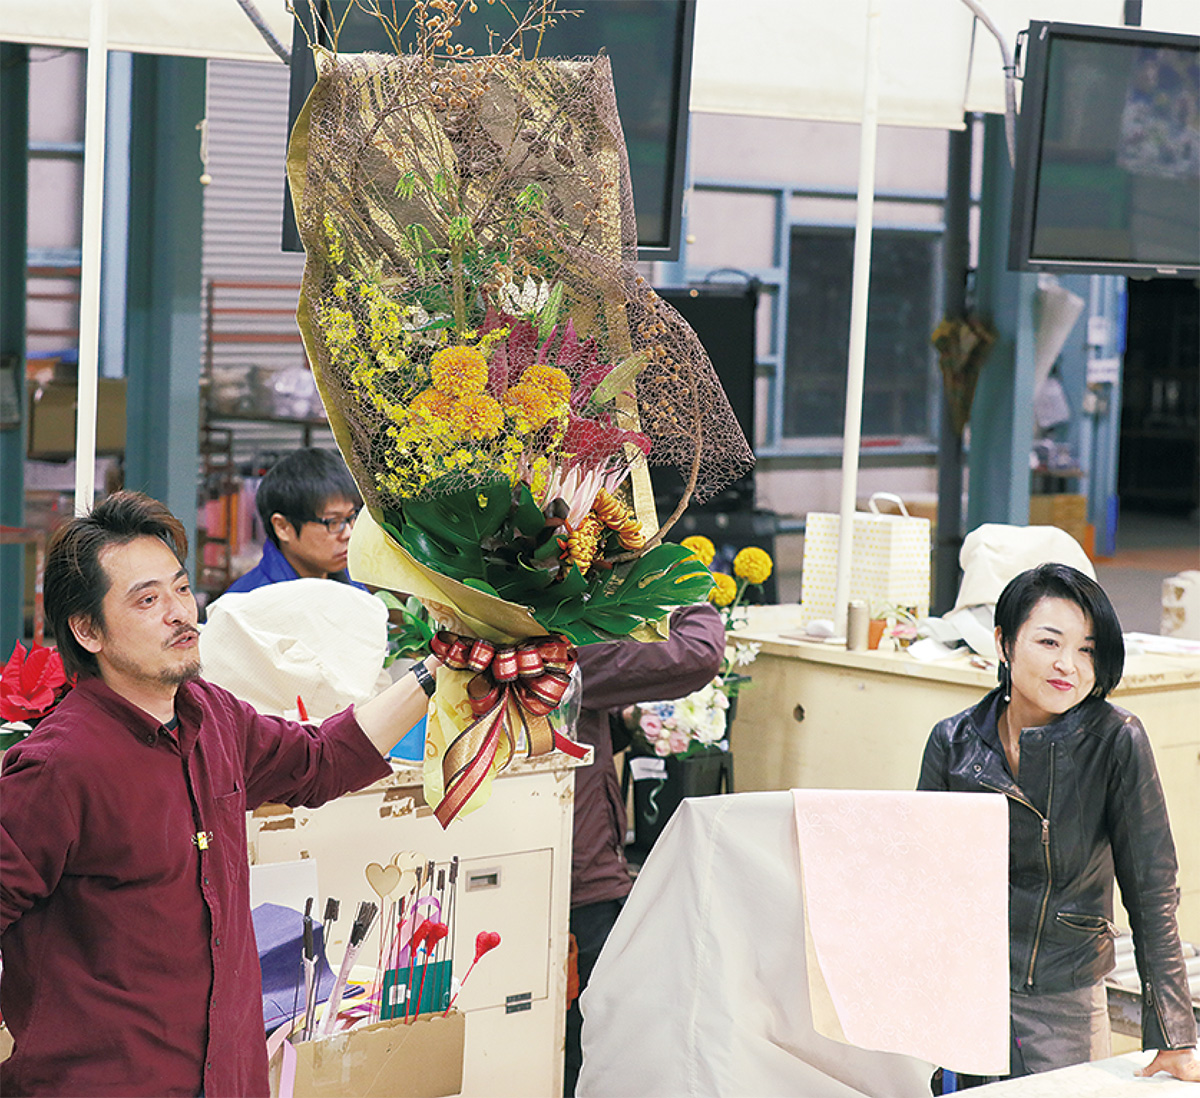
x: 890, y: 563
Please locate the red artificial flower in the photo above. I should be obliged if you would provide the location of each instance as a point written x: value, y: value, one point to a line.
x: 30, y: 683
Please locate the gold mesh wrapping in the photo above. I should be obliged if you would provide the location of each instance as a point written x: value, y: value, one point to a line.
x: 470, y: 302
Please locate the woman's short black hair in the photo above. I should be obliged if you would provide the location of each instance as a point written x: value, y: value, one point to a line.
x: 1061, y: 581
x: 299, y: 485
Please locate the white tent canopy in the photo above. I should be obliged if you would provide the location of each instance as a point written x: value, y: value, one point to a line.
x: 783, y: 58
x: 190, y: 28
x: 804, y: 59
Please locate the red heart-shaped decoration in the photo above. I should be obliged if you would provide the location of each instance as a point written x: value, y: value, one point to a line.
x: 436, y: 932
x: 485, y: 942
x: 420, y: 935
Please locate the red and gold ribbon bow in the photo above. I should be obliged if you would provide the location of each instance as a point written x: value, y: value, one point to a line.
x: 515, y: 688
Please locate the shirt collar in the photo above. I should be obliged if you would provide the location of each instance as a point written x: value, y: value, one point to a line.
x: 140, y: 724
x: 276, y: 567
x: 986, y: 715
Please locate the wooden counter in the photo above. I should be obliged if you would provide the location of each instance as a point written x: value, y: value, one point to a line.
x: 818, y: 716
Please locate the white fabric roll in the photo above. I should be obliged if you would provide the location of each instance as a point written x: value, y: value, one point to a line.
x: 316, y: 639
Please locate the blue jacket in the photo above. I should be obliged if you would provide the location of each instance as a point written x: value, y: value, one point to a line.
x: 274, y: 568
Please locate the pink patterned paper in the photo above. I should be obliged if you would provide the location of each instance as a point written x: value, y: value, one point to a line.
x: 906, y: 901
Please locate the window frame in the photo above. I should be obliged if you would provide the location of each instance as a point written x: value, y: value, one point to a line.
x: 876, y: 443
x: 774, y: 282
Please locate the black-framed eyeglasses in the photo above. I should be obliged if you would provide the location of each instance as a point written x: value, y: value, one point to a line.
x: 336, y: 525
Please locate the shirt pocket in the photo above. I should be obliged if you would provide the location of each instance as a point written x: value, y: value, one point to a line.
x: 228, y: 822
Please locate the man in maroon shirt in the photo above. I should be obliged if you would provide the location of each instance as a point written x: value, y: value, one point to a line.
x: 130, y: 965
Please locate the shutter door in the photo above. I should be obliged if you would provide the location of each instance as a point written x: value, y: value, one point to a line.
x: 255, y: 362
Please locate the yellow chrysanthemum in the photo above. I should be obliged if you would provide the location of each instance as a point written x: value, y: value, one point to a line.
x: 724, y: 589
x: 477, y: 416
x: 459, y: 371
x: 701, y: 548
x: 430, y: 405
x: 753, y: 564
x: 530, y: 408
x: 550, y: 380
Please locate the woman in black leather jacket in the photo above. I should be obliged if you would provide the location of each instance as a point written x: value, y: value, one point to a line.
x: 1085, y: 806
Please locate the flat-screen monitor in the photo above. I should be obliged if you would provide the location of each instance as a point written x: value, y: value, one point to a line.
x: 723, y: 317
x: 649, y: 43
x: 1107, y: 173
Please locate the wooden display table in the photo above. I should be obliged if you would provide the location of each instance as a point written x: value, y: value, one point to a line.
x: 817, y: 716
x: 515, y: 878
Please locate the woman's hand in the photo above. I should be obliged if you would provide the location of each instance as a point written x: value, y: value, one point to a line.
x: 1180, y: 1062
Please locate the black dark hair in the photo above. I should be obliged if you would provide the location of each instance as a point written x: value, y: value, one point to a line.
x: 75, y: 583
x: 299, y: 485
x: 1061, y: 581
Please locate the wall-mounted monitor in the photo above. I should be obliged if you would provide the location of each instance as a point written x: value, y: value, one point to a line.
x: 1107, y: 174
x: 649, y: 43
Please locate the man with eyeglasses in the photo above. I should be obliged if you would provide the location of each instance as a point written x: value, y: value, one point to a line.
x: 308, y: 503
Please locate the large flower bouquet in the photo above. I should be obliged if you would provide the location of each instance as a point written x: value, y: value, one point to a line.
x: 700, y: 721
x: 497, y: 375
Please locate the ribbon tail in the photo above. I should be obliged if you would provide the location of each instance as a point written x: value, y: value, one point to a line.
x: 478, y: 742
x: 539, y: 734
x: 569, y: 746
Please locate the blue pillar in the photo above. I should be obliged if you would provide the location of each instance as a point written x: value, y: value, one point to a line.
x: 1108, y: 297
x: 14, y: 173
x: 1002, y: 412
x: 163, y: 324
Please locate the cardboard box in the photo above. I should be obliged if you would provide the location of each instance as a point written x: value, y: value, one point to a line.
x: 52, y: 418
x: 421, y: 1060
x: 1066, y: 511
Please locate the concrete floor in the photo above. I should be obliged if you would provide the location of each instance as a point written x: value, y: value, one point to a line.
x: 1150, y: 548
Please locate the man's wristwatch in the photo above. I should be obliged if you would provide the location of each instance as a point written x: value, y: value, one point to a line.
x: 424, y: 677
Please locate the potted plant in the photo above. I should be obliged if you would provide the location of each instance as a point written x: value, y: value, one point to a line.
x: 891, y: 626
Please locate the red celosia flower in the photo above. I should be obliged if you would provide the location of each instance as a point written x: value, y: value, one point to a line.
x: 30, y: 683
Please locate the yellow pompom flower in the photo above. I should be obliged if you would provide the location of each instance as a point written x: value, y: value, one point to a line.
x: 724, y: 590
x: 753, y: 565
x: 477, y: 416
x: 701, y: 548
x: 530, y: 408
x: 550, y: 380
x: 430, y: 405
x: 459, y: 371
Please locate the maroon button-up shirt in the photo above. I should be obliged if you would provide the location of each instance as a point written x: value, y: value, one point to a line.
x: 130, y: 965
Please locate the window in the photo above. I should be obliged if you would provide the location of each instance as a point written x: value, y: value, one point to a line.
x: 899, y: 384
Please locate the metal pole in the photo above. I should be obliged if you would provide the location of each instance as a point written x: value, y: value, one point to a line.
x: 860, y: 286
x: 89, y: 283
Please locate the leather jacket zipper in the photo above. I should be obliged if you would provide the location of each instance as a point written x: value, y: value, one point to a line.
x: 1041, y: 921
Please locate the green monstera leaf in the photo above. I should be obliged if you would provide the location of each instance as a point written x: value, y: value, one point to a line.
x: 665, y: 577
x: 446, y: 533
x: 495, y: 538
